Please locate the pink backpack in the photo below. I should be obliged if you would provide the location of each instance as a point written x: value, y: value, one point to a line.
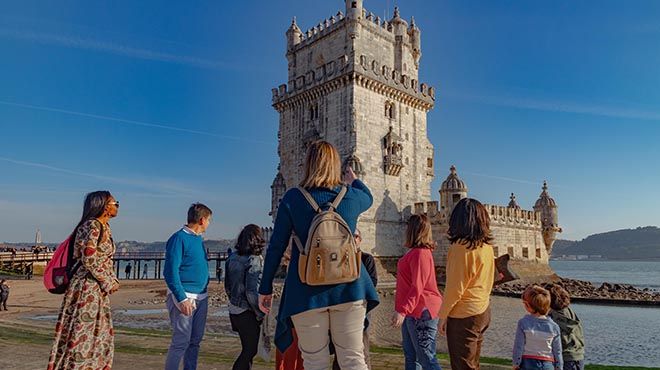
x: 60, y: 269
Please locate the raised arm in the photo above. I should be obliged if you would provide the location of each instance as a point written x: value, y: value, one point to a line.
x: 363, y: 193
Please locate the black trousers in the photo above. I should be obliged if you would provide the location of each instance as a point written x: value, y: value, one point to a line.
x: 248, y: 328
x: 3, y: 301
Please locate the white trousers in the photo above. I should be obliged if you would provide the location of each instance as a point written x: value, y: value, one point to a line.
x: 346, y: 323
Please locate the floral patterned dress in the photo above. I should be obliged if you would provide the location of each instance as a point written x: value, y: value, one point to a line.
x: 84, y: 338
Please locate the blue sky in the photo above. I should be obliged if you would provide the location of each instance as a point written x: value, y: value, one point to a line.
x: 168, y: 103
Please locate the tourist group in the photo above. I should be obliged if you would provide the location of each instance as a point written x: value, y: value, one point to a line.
x: 328, y: 290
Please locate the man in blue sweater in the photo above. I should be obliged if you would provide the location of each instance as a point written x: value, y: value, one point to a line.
x: 187, y: 276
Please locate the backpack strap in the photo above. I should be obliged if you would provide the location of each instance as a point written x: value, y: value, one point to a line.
x: 297, y: 242
x: 310, y: 200
x: 339, y: 198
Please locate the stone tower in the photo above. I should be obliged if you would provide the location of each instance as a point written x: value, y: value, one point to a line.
x: 353, y: 81
x: 549, y: 217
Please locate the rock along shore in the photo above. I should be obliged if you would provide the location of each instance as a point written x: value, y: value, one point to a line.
x: 585, y: 291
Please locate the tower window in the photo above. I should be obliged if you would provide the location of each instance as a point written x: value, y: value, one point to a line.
x: 456, y: 198
x: 313, y: 111
x: 389, y: 110
x: 429, y: 162
x: 354, y: 4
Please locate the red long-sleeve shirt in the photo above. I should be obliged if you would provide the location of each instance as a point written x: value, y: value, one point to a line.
x: 416, y: 287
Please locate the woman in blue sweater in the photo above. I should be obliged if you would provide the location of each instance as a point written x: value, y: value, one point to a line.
x: 316, y: 311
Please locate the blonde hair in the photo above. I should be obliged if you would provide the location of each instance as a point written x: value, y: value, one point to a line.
x: 418, y: 233
x: 322, y: 166
x: 538, y: 299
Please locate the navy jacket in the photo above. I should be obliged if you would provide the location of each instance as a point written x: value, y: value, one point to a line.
x: 295, y: 214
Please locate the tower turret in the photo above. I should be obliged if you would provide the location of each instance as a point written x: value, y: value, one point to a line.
x: 549, y: 217
x: 415, y: 36
x: 293, y: 35
x: 354, y: 9
x: 400, y: 29
x: 453, y: 189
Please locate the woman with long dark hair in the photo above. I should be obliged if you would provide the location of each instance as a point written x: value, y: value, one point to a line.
x: 243, y: 275
x: 465, y: 312
x: 84, y: 338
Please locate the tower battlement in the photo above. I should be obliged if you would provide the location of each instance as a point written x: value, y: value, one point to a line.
x: 499, y: 215
x: 369, y: 73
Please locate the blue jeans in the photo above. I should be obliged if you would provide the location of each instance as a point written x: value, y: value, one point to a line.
x: 187, y: 333
x: 531, y: 364
x: 574, y: 365
x: 419, y: 342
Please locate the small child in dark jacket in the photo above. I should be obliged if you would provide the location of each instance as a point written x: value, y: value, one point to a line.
x: 572, y: 336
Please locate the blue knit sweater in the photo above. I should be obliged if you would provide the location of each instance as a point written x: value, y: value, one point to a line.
x: 186, y: 267
x: 295, y: 214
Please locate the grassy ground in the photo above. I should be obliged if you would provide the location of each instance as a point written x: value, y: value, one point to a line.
x: 152, y: 343
x: 217, y: 351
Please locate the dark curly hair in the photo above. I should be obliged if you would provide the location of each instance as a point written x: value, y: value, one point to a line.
x: 559, y: 297
x: 250, y: 241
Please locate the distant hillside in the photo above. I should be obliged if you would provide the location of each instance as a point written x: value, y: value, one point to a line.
x: 639, y: 243
x: 134, y: 246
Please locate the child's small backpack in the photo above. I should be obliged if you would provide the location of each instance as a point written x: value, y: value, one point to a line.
x: 60, y: 269
x: 330, y: 255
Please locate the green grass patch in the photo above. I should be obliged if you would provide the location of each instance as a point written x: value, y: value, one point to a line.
x: 507, y: 361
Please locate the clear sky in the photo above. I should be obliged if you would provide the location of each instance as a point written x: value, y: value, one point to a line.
x: 166, y: 103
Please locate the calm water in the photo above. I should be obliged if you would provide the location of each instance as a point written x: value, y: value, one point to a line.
x: 151, y: 267
x: 643, y: 274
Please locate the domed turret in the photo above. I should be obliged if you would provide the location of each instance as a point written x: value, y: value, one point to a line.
x: 399, y: 25
x: 549, y: 217
x: 453, y: 189
x: 293, y: 35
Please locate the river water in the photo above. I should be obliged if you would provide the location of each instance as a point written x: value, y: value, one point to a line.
x: 615, y: 335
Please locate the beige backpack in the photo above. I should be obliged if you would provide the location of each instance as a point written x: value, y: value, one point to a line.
x: 330, y: 255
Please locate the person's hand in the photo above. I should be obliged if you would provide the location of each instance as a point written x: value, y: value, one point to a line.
x: 349, y: 175
x: 265, y: 301
x: 186, y: 307
x: 442, y: 329
x: 115, y: 286
x: 397, y: 319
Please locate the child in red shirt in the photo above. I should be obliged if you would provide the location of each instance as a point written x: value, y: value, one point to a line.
x: 417, y: 299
